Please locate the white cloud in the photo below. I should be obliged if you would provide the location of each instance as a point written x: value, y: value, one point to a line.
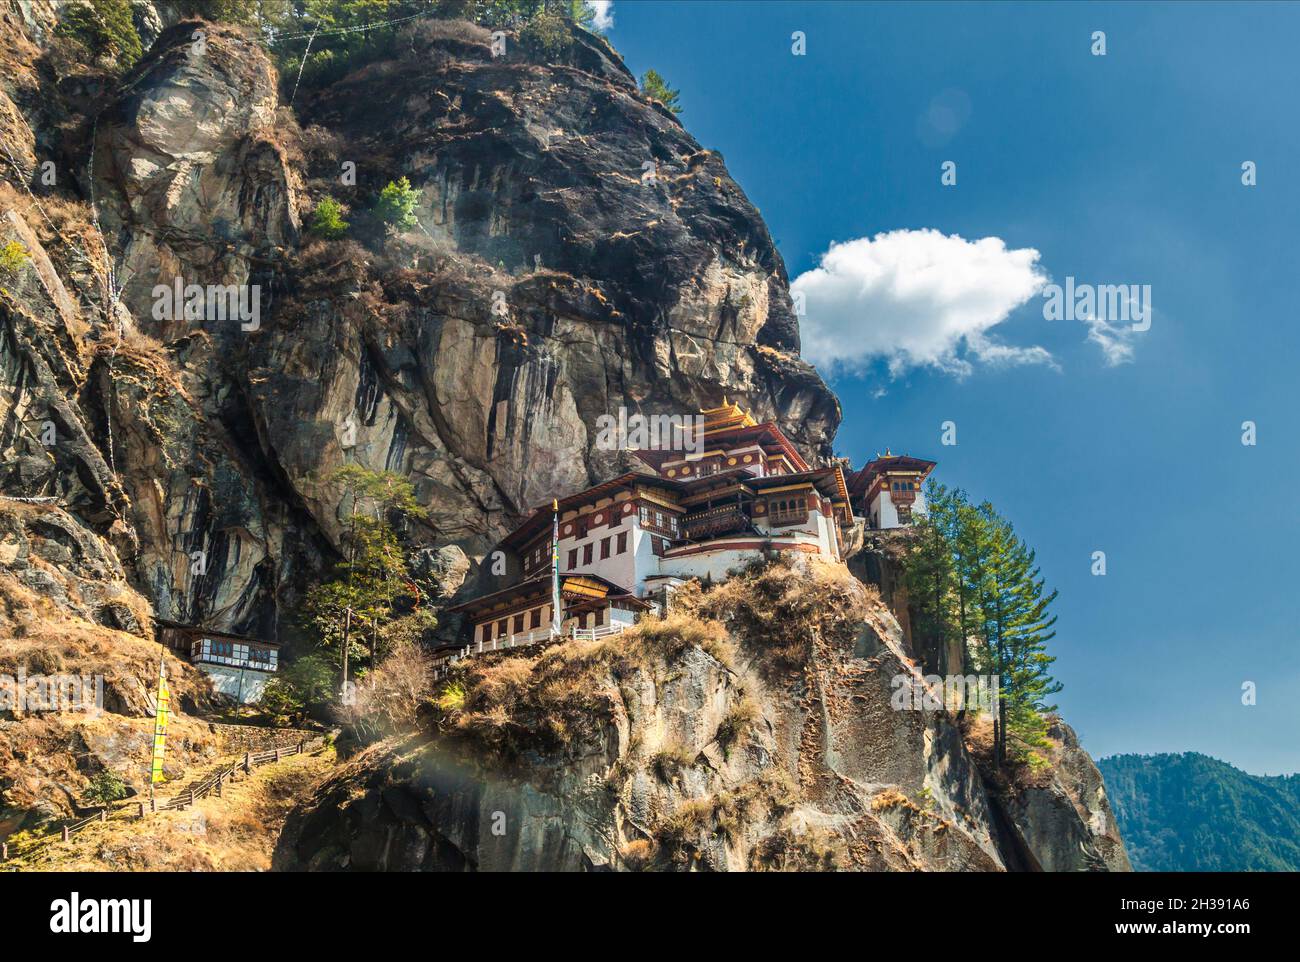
x: 604, y: 11
x: 1115, y: 342
x: 917, y: 298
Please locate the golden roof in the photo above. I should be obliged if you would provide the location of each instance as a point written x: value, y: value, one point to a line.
x: 726, y: 418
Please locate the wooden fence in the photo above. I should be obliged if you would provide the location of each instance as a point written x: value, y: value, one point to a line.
x: 442, y: 663
x: 135, y: 810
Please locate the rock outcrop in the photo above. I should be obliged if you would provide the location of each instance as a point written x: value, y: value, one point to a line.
x: 576, y: 252
x: 756, y: 730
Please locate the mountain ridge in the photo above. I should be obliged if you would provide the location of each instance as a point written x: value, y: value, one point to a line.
x: 1193, y: 812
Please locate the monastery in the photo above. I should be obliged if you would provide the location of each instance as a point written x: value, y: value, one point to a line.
x: 615, y: 550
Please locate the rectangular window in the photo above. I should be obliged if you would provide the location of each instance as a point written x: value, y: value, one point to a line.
x: 519, y: 623
x: 622, y: 541
x: 586, y: 554
x: 573, y: 558
x: 486, y: 634
x: 604, y: 548
x: 582, y: 620
x: 535, y: 618
x: 501, y: 628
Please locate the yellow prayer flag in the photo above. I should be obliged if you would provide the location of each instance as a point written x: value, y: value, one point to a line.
x: 160, y: 728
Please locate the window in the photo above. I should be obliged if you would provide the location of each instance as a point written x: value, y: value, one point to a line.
x: 582, y: 620
x: 485, y: 635
x: 787, y: 510
x: 223, y: 649
x: 622, y: 541
x: 519, y: 623
x: 501, y: 628
x: 604, y: 548
x: 573, y: 558
x: 260, y: 655
x: 535, y: 618
x: 586, y: 553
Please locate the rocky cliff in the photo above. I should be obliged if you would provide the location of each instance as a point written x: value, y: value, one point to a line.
x: 575, y: 251
x: 552, y: 278
x: 754, y: 729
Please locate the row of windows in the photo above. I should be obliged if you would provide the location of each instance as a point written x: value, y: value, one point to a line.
x: 904, y: 485
x: 663, y: 520
x: 788, y: 506
x: 515, y: 625
x: 614, y: 544
x: 214, y: 648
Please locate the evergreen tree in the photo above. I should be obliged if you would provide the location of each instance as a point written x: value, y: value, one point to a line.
x: 396, y: 206
x: 327, y: 219
x: 654, y: 85
x: 362, y: 597
x: 973, y: 581
x: 106, y: 27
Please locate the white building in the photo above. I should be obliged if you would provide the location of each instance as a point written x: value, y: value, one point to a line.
x: 746, y: 495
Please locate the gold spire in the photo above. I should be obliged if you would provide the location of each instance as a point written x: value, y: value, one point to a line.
x: 727, y: 417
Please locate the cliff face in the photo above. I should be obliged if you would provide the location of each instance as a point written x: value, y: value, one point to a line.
x: 755, y: 729
x: 551, y: 279
x: 576, y: 252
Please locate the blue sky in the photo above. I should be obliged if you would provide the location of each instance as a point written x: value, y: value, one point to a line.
x: 1117, y: 169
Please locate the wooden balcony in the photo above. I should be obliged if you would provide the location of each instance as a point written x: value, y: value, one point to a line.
x: 713, y: 522
x: 781, y: 518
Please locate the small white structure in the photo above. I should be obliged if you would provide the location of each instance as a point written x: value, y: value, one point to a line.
x: 890, y: 489
x: 239, y: 667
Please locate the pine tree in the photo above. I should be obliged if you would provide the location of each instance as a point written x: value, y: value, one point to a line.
x: 1014, y: 629
x: 971, y: 580
x: 396, y: 206
x: 653, y: 85
x: 363, y: 595
x: 930, y: 572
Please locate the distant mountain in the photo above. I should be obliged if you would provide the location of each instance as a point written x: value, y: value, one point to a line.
x: 1190, y: 812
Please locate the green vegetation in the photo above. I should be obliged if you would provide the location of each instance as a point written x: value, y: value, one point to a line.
x: 973, y: 586
x: 104, y: 27
x: 321, y: 39
x: 13, y: 258
x: 396, y: 205
x: 546, y: 36
x: 1192, y: 813
x: 327, y: 219
x: 301, y: 685
x: 104, y: 789
x: 369, y: 604
x: 653, y: 85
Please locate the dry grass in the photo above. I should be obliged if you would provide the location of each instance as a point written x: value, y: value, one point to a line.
x: 811, y: 850
x: 891, y: 798
x: 553, y: 700
x: 742, y: 716
x: 782, y: 609
x: 234, y: 833
x: 729, y: 813
x: 670, y: 760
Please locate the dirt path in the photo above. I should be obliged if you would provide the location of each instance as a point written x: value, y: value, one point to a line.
x: 234, y: 833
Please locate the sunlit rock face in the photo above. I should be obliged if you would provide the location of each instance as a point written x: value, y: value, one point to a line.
x: 577, y: 252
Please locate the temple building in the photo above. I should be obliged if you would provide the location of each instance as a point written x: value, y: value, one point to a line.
x: 238, y: 666
x: 889, y: 489
x: 743, y: 494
